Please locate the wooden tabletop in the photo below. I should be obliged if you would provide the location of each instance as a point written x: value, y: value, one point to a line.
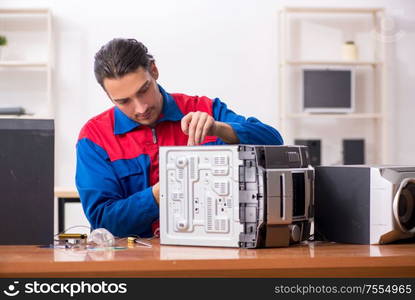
x: 65, y: 192
x: 312, y: 259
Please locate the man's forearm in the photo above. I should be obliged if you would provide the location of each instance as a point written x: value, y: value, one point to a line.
x: 226, y: 133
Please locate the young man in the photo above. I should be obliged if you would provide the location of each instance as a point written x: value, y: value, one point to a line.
x: 117, y: 151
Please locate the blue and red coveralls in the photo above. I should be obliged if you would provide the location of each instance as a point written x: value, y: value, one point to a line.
x: 117, y: 159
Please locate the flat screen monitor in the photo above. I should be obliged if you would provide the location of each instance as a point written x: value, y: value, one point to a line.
x: 26, y: 181
x: 328, y: 90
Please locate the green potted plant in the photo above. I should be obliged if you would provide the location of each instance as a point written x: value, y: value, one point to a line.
x: 3, y: 43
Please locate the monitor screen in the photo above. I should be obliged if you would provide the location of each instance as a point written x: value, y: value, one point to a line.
x: 328, y: 90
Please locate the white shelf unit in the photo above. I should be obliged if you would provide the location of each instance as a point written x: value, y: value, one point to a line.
x: 332, y: 62
x: 26, y: 62
x: 371, y: 112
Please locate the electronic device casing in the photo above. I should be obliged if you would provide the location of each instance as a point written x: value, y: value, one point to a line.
x: 361, y: 203
x: 235, y: 195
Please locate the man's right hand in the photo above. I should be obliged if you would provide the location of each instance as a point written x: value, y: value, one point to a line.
x: 156, y: 192
x: 197, y: 125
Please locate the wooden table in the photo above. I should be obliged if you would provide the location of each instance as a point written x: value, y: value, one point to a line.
x: 312, y: 259
x: 65, y: 192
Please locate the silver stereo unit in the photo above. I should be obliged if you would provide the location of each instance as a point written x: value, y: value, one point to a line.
x: 235, y: 195
x: 365, y: 204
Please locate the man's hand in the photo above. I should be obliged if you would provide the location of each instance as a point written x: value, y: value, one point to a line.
x: 156, y: 192
x: 198, y: 125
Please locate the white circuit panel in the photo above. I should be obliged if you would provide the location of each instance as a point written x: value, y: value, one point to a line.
x: 199, y: 190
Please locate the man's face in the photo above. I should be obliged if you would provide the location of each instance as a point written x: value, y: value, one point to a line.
x: 137, y: 95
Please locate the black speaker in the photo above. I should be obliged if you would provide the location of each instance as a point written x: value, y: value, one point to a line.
x: 26, y: 181
x: 354, y: 152
x: 314, y: 149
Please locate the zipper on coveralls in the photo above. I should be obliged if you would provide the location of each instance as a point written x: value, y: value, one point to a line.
x: 153, y: 132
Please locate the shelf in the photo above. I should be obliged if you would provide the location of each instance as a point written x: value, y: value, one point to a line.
x: 332, y: 62
x: 25, y: 11
x: 369, y: 88
x: 17, y: 63
x: 36, y: 117
x: 341, y: 10
x: 335, y: 116
x: 30, y: 31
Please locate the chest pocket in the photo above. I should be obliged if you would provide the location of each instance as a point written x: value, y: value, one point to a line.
x: 133, y: 174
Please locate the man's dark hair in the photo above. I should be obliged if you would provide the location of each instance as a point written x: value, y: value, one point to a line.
x: 119, y: 57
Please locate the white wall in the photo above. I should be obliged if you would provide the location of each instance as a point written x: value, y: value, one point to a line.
x: 217, y: 48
